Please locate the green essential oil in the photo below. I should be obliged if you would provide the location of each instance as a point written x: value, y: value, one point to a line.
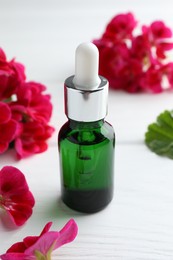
x: 86, y: 142
x: 87, y: 164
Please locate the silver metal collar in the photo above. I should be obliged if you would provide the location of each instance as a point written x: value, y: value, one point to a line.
x: 86, y: 106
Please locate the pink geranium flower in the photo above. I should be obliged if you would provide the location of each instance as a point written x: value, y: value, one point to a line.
x: 32, y: 102
x: 156, y: 34
x: 157, y: 31
x: 32, y: 110
x: 25, y: 111
x: 32, y: 138
x: 135, y: 62
x: 40, y: 247
x: 120, y: 27
x: 115, y: 58
x: 152, y: 79
x: 141, y: 49
x: 15, y: 197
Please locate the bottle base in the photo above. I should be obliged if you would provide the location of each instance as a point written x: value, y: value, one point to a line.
x: 90, y: 201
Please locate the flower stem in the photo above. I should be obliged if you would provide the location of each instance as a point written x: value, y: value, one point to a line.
x: 1, y: 202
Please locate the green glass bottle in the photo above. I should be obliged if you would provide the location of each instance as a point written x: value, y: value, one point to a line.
x: 86, y: 141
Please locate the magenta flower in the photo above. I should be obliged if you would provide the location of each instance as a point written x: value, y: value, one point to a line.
x: 152, y: 79
x: 25, y: 111
x: 141, y: 49
x: 15, y: 197
x: 135, y: 63
x: 32, y: 138
x: 32, y: 110
x: 157, y: 30
x: 120, y: 27
x: 40, y: 247
x: 32, y: 103
x: 156, y: 34
x: 115, y: 58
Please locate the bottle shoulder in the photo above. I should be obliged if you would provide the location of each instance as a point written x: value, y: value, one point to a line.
x: 87, y: 133
x: 108, y: 130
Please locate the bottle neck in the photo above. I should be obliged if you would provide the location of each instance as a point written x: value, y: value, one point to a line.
x: 86, y: 125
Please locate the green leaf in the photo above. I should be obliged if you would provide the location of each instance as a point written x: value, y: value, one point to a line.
x: 159, y: 137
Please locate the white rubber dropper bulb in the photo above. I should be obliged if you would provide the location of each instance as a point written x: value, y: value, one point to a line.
x: 86, y: 67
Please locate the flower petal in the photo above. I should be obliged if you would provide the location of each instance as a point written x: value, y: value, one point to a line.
x: 17, y: 247
x: 3, y: 147
x: 19, y: 213
x: 2, y: 55
x: 46, y: 228
x: 26, y: 198
x: 8, y: 131
x: 67, y: 233
x: 19, y: 69
x: 38, y: 105
x: 16, y: 256
x: 26, y: 148
x: 12, y: 181
x: 5, y: 114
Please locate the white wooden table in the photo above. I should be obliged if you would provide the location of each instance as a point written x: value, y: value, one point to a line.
x: 138, y: 224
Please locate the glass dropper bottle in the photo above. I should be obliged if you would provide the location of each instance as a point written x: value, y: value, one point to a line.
x: 86, y: 141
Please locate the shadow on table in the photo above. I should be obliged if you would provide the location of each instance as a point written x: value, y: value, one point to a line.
x: 58, y: 210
